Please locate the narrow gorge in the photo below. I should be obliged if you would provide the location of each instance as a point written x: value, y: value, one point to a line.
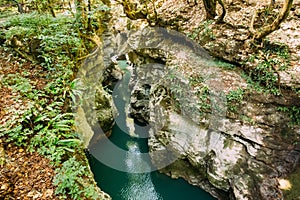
x: 208, y: 123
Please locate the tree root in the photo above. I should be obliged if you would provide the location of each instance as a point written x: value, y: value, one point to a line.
x: 266, y: 30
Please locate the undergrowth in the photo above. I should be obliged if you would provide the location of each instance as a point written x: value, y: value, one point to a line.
x: 266, y: 65
x: 46, y: 125
x: 203, y: 32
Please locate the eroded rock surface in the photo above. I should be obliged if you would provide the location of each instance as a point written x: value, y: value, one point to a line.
x: 233, y: 149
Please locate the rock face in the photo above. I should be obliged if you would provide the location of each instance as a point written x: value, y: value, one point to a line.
x: 229, y: 139
x: 95, y: 110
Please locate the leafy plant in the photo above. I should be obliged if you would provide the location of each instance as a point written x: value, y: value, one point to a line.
x: 19, y: 84
x: 58, y: 42
x: 234, y: 98
x: 264, y: 74
x: 203, y: 31
x: 195, y: 80
x: 45, y: 125
x: 268, y: 62
x: 279, y: 49
x: 293, y: 112
x: 69, y: 180
x: 204, y: 104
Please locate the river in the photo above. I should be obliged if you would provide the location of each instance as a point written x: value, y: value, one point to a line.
x: 127, y: 185
x: 140, y: 186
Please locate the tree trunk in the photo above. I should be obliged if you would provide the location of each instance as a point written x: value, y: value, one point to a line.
x: 210, y: 8
x: 51, y: 8
x: 20, y: 8
x: 89, y: 22
x: 221, y: 18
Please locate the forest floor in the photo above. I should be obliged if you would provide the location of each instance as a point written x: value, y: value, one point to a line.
x: 27, y: 175
x: 23, y: 174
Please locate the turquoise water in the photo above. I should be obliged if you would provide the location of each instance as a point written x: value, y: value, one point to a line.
x: 140, y: 186
x: 123, y: 149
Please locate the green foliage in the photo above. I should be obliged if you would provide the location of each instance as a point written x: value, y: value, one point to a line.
x: 43, y: 124
x: 19, y: 31
x: 69, y: 180
x: 293, y: 112
x: 196, y: 80
x: 279, y: 49
x: 91, y: 21
x: 19, y: 129
x: 235, y: 95
x: 258, y: 82
x: 32, y: 21
x: 204, y: 104
x: 264, y: 76
x: 43, y: 127
x: 21, y: 84
x: 5, y: 14
x: 234, y: 98
x: 252, y: 84
x: 180, y: 92
x: 76, y: 91
x: 265, y: 16
x: 203, y: 31
x: 247, y: 119
x: 58, y: 42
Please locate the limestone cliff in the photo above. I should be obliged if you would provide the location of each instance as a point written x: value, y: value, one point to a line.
x: 230, y: 139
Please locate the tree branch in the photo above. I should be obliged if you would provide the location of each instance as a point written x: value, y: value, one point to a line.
x: 266, y: 30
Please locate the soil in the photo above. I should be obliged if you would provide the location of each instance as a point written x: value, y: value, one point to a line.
x: 11, y: 101
x: 25, y: 175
